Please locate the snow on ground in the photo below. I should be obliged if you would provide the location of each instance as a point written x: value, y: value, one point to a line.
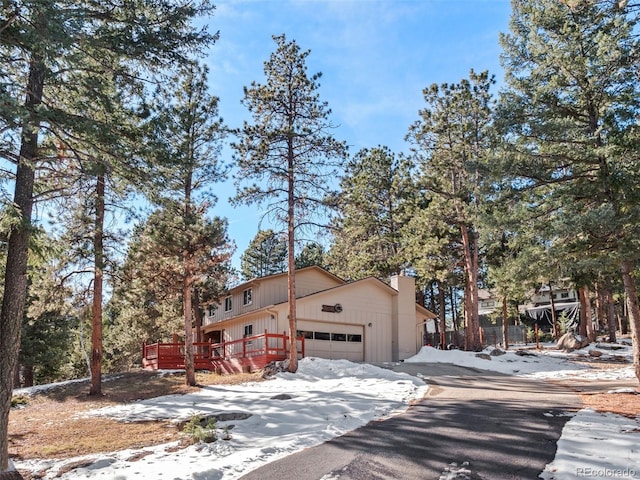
x: 547, y: 363
x: 327, y: 398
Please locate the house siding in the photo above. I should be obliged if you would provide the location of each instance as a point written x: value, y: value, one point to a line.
x: 271, y: 291
x: 362, y: 305
x: 369, y: 308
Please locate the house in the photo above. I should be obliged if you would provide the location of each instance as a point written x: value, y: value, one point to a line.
x: 538, y: 307
x: 565, y: 302
x: 488, y: 301
x: 366, y: 320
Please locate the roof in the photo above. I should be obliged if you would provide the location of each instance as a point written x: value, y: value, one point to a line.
x: 486, y: 293
x: 372, y: 280
x: 253, y: 281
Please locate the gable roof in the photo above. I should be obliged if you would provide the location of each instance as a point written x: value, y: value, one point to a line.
x: 256, y: 280
x: 375, y: 282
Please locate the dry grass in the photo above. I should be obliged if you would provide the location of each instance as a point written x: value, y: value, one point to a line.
x: 627, y: 404
x: 50, y: 426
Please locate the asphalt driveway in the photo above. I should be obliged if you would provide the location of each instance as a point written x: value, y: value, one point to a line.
x: 505, y: 427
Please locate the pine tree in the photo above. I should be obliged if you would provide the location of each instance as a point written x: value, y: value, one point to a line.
x: 47, y: 325
x: 148, y: 300
x: 288, y: 149
x: 570, y: 111
x: 44, y: 43
x: 311, y: 254
x: 374, y: 196
x: 452, y: 141
x: 265, y: 255
x: 186, y: 136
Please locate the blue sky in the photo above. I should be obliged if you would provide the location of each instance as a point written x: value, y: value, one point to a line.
x: 376, y: 57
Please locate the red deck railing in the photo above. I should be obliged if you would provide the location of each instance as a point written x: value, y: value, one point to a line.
x: 250, y: 353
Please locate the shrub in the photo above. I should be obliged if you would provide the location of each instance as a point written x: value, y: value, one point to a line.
x: 201, y: 429
x: 19, y: 401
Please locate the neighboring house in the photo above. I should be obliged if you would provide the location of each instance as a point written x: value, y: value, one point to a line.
x: 487, y: 301
x: 366, y: 320
x: 565, y: 301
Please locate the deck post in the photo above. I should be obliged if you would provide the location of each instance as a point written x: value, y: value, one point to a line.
x: 266, y: 343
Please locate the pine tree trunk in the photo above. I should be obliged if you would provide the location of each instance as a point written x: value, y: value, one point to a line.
x: 98, y: 281
x: 443, y: 317
x: 190, y: 373
x: 470, y: 247
x: 600, y: 299
x: 28, y: 376
x: 505, y: 323
x: 15, y: 282
x: 187, y: 280
x: 197, y: 314
x: 291, y: 275
x: 610, y: 310
x: 454, y: 315
x: 586, y: 326
x: 633, y: 308
x: 554, y: 317
x: 467, y: 310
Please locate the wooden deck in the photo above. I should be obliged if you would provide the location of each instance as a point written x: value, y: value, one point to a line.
x: 244, y: 355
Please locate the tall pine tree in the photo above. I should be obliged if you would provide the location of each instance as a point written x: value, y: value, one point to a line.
x: 265, y: 255
x: 571, y: 110
x: 186, y: 136
x: 375, y: 193
x: 452, y: 142
x: 288, y: 149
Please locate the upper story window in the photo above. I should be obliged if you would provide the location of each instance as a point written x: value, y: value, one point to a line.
x: 228, y: 305
x: 248, y: 330
x: 246, y: 296
x: 212, y: 310
x: 564, y: 294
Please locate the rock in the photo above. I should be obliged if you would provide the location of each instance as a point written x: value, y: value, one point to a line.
x: 496, y: 352
x: 571, y: 341
x: 484, y: 356
x: 595, y: 353
x: 272, y: 368
x: 609, y: 346
x: 282, y: 396
x: 216, y: 417
x: 525, y: 353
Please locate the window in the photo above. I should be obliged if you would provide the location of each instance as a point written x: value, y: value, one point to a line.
x: 305, y: 334
x: 338, y: 337
x: 227, y: 304
x: 564, y: 294
x: 322, y: 336
x: 212, y: 310
x: 246, y: 297
x: 354, y: 338
x: 248, y: 330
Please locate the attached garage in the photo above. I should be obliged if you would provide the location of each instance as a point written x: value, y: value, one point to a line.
x: 363, y: 321
x: 332, y: 340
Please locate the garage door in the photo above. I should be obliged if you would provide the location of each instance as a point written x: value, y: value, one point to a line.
x: 329, y: 340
